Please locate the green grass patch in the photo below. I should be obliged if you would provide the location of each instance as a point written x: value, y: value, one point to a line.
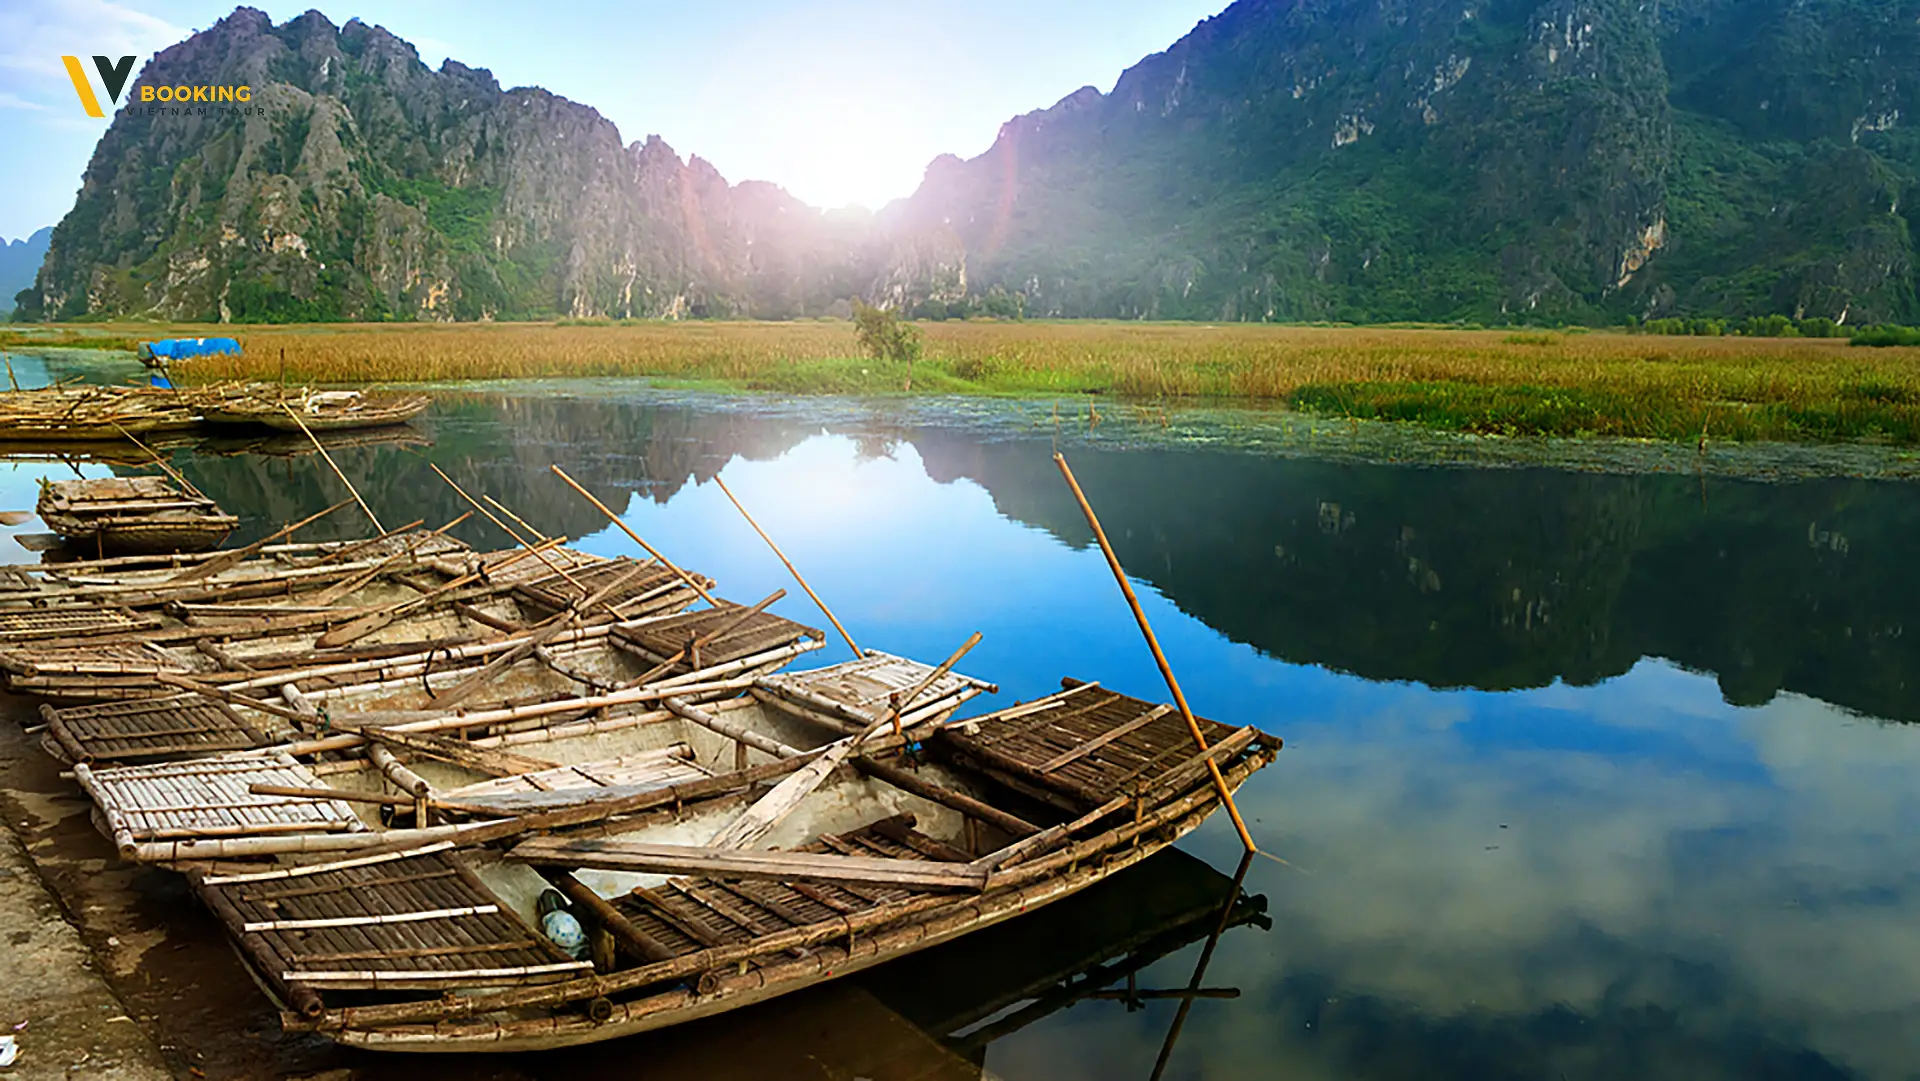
x: 1874, y: 413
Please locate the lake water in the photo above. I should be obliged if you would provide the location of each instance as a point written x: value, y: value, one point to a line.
x: 1587, y: 774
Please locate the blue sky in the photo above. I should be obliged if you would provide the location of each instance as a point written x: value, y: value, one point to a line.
x: 840, y: 101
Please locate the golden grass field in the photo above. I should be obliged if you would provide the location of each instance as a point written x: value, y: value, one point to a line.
x: 1493, y: 381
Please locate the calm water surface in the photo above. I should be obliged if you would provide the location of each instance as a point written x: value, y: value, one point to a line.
x: 1587, y: 775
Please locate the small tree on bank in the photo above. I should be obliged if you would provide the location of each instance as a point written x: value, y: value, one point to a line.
x: 885, y: 338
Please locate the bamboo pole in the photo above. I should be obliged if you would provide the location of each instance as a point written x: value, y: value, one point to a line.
x: 517, y: 520
x: 222, y: 560
x: 185, y: 485
x: 899, y: 703
x: 1159, y: 657
x: 791, y: 569
x: 624, y: 528
x: 336, y: 469
x: 508, y: 530
x: 1200, y: 970
x: 208, y: 690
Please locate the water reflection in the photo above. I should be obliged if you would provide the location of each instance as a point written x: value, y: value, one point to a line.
x: 1581, y: 778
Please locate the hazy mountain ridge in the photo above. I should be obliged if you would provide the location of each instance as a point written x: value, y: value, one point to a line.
x: 19, y: 261
x: 1287, y: 159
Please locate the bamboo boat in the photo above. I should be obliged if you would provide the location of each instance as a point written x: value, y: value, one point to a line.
x: 403, y: 617
x: 932, y: 1016
x: 423, y: 937
x: 92, y: 413
x: 266, y: 405
x: 132, y: 515
x: 596, y: 810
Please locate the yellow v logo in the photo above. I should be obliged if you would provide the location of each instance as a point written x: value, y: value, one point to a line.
x: 112, y: 76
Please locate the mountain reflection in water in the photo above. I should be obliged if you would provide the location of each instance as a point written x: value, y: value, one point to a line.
x: 1583, y: 777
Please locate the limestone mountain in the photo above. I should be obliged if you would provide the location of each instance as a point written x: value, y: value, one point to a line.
x: 19, y: 261
x: 1479, y: 159
x: 1362, y: 160
x: 365, y: 185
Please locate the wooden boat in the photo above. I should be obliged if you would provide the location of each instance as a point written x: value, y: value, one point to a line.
x: 132, y: 514
x: 92, y: 413
x: 932, y: 1016
x: 423, y: 938
x: 407, y: 617
x: 318, y: 410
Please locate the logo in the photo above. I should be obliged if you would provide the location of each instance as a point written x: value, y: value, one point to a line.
x: 112, y: 76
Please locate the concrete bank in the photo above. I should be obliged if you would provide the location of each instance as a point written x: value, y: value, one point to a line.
x: 52, y: 1000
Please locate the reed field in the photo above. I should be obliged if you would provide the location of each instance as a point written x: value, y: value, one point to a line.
x: 1492, y: 381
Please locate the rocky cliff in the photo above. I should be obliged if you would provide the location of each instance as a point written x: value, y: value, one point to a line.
x: 1566, y: 159
x: 1490, y: 160
x: 359, y: 184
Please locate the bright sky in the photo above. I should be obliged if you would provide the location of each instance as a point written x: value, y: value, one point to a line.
x: 840, y: 101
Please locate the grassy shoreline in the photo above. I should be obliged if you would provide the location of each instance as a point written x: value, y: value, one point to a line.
x: 1489, y: 382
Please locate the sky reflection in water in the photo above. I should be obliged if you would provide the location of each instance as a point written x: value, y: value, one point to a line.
x: 1627, y: 878
x: 1522, y: 843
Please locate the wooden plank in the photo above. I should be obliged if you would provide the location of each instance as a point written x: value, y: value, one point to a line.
x: 618, y: 855
x: 767, y: 812
x: 1105, y: 738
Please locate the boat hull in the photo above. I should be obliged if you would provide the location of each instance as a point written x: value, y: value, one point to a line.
x: 716, y: 995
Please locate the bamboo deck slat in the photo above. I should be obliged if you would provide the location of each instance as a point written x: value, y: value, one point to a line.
x: 1090, y: 747
x: 210, y: 797
x: 554, y: 592
x: 657, y: 769
x: 656, y: 640
x: 18, y: 625
x: 857, y: 692
x: 418, y: 921
x: 689, y: 915
x: 150, y: 730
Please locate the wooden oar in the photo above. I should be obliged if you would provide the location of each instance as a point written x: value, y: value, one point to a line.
x: 624, y: 528
x: 791, y: 569
x: 1159, y: 657
x: 330, y: 465
x: 227, y: 559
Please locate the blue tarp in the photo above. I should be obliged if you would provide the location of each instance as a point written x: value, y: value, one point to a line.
x: 182, y: 348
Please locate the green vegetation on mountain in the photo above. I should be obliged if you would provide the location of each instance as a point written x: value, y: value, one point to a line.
x: 1480, y: 161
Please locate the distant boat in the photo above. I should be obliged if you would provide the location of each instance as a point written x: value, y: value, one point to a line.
x: 155, y: 354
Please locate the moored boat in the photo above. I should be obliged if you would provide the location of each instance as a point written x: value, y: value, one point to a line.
x: 275, y: 407
x: 132, y: 515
